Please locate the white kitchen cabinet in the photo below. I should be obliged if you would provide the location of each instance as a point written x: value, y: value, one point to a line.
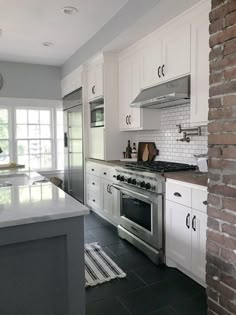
x: 129, y: 87
x: 178, y: 233
x: 95, y: 80
x: 199, y: 227
x: 186, y: 229
x: 96, y: 143
x: 107, y: 197
x: 200, y: 66
x: 176, y: 52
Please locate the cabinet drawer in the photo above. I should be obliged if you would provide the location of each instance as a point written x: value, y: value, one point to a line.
x: 199, y: 200
x: 179, y: 194
x: 93, y: 182
x: 93, y: 168
x: 93, y: 199
x: 108, y: 173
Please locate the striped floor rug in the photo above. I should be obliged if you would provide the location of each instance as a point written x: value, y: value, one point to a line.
x: 99, y: 267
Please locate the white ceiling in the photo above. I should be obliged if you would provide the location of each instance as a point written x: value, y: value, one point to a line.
x: 26, y: 24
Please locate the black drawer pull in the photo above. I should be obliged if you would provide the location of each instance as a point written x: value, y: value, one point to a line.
x: 105, y: 173
x: 158, y: 71
x: 194, y: 223
x: 177, y: 194
x: 92, y: 169
x: 205, y: 203
x: 187, y: 221
x: 94, y: 200
x: 93, y: 183
x: 114, y: 176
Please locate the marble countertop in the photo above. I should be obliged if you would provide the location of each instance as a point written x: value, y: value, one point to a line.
x: 35, y: 203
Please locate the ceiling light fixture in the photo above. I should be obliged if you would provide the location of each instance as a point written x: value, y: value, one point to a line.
x: 48, y: 44
x: 69, y: 10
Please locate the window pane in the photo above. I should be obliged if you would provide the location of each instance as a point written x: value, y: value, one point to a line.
x: 4, y: 145
x: 60, y: 132
x: 22, y: 147
x: 3, y: 116
x: 21, y: 132
x: 35, y: 161
x: 59, y: 117
x: 76, y: 133
x: 45, y: 131
x: 46, y: 146
x: 75, y: 146
x: 34, y: 131
x: 33, y: 117
x: 34, y: 147
x: 45, y: 117
x: 21, y: 116
x: 46, y: 161
x: 4, y: 132
x: 4, y: 159
x: 23, y: 159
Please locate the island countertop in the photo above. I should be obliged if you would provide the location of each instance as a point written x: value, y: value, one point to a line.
x: 36, y: 203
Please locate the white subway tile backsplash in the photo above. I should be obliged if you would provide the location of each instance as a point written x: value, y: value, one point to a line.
x: 166, y: 138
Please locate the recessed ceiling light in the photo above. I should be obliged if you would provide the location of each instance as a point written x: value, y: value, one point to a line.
x: 69, y: 10
x: 48, y: 44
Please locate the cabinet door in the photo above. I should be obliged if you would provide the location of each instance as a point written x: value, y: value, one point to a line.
x: 199, y: 69
x: 176, y: 52
x: 96, y: 143
x: 151, y: 61
x: 178, y: 234
x: 124, y: 93
x: 91, y: 83
x: 199, y: 227
x: 98, y: 80
x: 106, y: 197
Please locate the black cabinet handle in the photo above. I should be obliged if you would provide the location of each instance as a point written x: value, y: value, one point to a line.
x: 94, y: 200
x: 65, y: 140
x: 162, y: 70
x: 93, y: 89
x: 93, y: 183
x: 158, y: 71
x: 205, y: 203
x: 92, y: 169
x: 127, y: 120
x: 187, y: 221
x: 108, y: 188
x: 114, y: 176
x: 194, y: 223
x: 177, y: 194
x: 105, y: 173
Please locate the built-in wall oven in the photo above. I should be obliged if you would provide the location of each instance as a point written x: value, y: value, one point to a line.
x: 97, y: 113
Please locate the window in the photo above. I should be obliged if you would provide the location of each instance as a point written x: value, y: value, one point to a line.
x: 4, y: 136
x: 34, y: 138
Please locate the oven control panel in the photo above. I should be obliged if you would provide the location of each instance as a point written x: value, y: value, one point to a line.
x: 138, y: 181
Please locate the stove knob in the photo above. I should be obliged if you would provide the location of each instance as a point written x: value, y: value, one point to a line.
x: 118, y: 177
x: 148, y: 186
x: 142, y: 184
x: 134, y: 182
x: 129, y: 180
x: 122, y: 178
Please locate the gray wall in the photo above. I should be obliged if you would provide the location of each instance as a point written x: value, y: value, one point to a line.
x: 30, y: 81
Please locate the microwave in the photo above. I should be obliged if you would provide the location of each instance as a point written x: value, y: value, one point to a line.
x: 97, y: 114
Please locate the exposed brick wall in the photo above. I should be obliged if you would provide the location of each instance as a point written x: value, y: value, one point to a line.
x: 221, y: 234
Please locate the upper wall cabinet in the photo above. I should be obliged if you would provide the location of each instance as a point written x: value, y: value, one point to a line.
x: 129, y: 88
x: 95, y: 80
x: 165, y: 55
x: 71, y: 82
x: 200, y: 65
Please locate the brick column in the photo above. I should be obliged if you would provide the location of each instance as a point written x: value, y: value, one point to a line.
x: 221, y: 234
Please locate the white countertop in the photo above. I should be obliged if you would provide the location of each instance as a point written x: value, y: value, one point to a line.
x: 35, y: 203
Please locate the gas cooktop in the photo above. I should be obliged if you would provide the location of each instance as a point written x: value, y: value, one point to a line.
x: 159, y: 166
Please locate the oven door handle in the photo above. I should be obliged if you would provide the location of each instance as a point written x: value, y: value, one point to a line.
x: 121, y: 188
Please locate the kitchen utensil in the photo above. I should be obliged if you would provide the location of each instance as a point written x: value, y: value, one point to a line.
x: 145, y: 153
x: 153, y: 152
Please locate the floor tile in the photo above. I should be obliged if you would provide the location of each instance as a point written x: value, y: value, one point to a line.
x: 196, y: 305
x: 107, y: 306
x: 164, y: 311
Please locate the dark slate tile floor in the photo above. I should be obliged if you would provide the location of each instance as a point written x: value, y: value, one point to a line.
x: 147, y: 290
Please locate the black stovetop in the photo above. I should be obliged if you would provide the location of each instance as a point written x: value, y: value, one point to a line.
x: 159, y: 166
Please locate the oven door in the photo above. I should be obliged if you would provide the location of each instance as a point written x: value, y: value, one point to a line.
x: 141, y: 213
x: 97, y: 116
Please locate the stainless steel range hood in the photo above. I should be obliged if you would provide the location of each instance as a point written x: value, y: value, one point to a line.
x: 173, y: 93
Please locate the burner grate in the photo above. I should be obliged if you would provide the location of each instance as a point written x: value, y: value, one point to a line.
x: 159, y: 166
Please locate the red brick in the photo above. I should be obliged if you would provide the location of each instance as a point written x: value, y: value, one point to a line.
x: 223, y: 36
x: 216, y: 90
x: 216, y: 52
x: 229, y: 100
x: 213, y: 176
x: 217, y: 13
x: 215, y: 102
x: 228, y: 255
x: 214, y: 127
x: 221, y: 64
x: 213, y: 224
x: 214, y: 200
x: 216, y: 77
x: 228, y: 305
x: 217, y: 308
x: 216, y: 26
x: 216, y: 3
x: 229, y: 153
x: 222, y: 139
x: 229, y: 229
x: 230, y: 281
x: 215, y: 163
x: 230, y: 74
x: 214, y: 152
x: 226, y: 292
x: 229, y: 204
x: 215, y: 250
x: 225, y: 113
x: 224, y: 241
x: 228, y: 165
x: 229, y: 179
x: 213, y: 294
x: 231, y: 6
x: 230, y: 19
x: 229, y: 126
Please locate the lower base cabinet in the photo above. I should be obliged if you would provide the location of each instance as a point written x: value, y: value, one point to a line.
x: 186, y: 232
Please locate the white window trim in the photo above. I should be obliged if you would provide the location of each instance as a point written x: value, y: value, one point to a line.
x: 19, y: 103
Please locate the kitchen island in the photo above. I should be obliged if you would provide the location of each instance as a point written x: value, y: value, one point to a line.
x: 41, y: 251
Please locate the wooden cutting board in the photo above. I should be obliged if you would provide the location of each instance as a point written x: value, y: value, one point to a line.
x: 147, y: 151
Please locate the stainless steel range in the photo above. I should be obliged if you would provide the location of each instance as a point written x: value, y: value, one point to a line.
x: 141, y: 188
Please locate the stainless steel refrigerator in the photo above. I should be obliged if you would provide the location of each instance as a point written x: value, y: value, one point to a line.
x: 73, y: 145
